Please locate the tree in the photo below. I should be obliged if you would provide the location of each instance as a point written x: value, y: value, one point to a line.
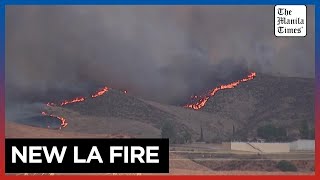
x: 168, y: 131
x: 312, y: 133
x: 201, y: 135
x: 233, y: 131
x: 271, y: 133
x: 187, y: 137
x: 305, y: 131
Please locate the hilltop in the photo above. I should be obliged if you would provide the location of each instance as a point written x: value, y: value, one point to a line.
x: 282, y: 101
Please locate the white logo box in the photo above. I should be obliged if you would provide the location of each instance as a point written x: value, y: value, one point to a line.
x: 290, y: 20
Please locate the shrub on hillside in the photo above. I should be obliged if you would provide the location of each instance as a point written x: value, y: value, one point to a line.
x: 168, y: 130
x: 286, y: 166
x: 271, y: 133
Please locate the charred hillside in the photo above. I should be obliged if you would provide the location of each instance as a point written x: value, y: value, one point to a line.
x: 243, y: 107
x: 282, y: 101
x: 118, y: 112
x: 117, y: 104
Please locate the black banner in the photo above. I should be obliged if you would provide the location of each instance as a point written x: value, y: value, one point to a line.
x: 87, y: 156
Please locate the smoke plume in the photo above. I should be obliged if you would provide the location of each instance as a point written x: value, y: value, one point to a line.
x: 161, y: 53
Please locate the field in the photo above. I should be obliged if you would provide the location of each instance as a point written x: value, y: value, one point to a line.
x: 193, y: 159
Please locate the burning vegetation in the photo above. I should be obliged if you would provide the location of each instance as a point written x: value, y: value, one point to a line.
x: 200, y: 100
x: 63, y: 121
x: 100, y: 92
x: 75, y: 100
x: 203, y: 99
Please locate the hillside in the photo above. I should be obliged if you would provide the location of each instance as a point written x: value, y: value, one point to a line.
x: 115, y: 112
x: 282, y: 101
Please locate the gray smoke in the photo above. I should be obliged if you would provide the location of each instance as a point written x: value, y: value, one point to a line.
x: 158, y: 52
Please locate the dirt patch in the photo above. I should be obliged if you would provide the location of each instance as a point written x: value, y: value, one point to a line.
x: 253, y: 165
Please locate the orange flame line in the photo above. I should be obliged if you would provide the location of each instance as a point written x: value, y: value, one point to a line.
x: 62, y: 120
x: 100, y: 92
x: 202, y: 102
x: 64, y: 123
x: 77, y: 99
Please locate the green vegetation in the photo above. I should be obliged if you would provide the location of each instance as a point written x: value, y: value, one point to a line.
x: 305, y: 131
x: 168, y: 130
x: 286, y: 166
x: 201, y: 139
x: 271, y: 133
x: 312, y: 133
x: 187, y: 137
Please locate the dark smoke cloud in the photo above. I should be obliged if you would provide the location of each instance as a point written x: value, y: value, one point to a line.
x: 161, y: 53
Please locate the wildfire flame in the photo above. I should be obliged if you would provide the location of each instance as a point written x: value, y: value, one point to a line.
x: 77, y: 99
x: 202, y: 102
x: 62, y: 120
x: 64, y: 123
x: 100, y: 92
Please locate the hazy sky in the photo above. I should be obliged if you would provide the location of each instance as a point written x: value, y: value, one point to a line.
x: 160, y: 52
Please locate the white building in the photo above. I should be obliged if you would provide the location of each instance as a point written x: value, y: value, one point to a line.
x: 302, y: 145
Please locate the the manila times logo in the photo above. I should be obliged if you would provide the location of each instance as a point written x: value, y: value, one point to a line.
x: 290, y: 20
